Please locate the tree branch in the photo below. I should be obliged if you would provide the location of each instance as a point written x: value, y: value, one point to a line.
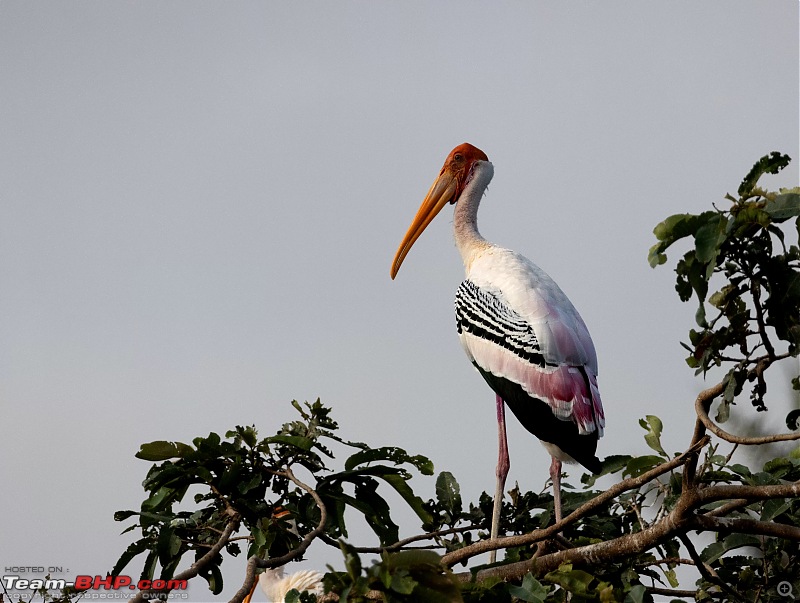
x: 257, y: 562
x: 682, y: 594
x: 704, y: 399
x: 525, y: 539
x: 197, y: 566
x: 677, y: 522
x: 747, y: 526
x: 751, y: 493
x: 755, y: 291
x: 728, y: 507
x: 706, y: 570
x: 400, y: 544
x: 702, y: 406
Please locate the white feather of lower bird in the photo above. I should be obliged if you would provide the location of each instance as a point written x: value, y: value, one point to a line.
x: 275, y: 583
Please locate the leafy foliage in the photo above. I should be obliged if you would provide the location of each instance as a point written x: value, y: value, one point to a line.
x: 753, y: 304
x: 243, y: 478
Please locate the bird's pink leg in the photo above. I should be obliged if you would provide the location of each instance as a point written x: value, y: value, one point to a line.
x: 503, y: 465
x: 555, y: 476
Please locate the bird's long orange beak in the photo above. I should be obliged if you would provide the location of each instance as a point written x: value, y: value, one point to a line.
x: 442, y: 192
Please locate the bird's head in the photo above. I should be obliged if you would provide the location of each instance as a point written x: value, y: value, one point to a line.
x: 454, y: 176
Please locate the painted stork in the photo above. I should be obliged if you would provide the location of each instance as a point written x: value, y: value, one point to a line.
x: 519, y: 329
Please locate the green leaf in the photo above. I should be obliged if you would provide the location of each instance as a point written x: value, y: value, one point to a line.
x: 768, y: 164
x: 747, y: 217
x: 723, y: 411
x: 637, y: 594
x: 709, y: 237
x: 123, y: 515
x: 675, y: 227
x: 149, y: 569
x: 162, y: 499
x: 642, y: 464
x: 366, y: 501
x: 168, y: 545
x: 670, y: 230
x: 741, y: 470
x: 403, y: 584
x: 245, y: 487
x: 611, y: 464
x: 352, y: 561
x: 403, y: 489
x: 653, y: 437
x: 716, y: 550
x: 531, y: 590
x: 161, y: 451
x: 389, y: 453
x: 209, y: 445
x: 575, y: 581
x: 773, y: 508
x: 248, y: 435
x: 134, y: 549
x: 214, y: 578
x: 783, y: 207
x: 448, y: 493
x: 303, y: 443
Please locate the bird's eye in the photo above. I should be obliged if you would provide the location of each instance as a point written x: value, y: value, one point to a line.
x: 458, y: 157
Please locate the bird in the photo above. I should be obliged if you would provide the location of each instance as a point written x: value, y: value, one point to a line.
x: 276, y: 584
x: 519, y: 330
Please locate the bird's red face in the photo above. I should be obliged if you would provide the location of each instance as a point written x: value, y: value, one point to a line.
x: 447, y: 188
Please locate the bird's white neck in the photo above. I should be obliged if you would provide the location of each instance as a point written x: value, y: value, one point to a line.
x: 469, y: 241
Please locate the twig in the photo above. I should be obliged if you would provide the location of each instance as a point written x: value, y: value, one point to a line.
x: 667, y: 561
x: 728, y: 507
x: 731, y: 453
x: 706, y: 570
x: 400, y: 544
x: 702, y: 414
x: 755, y: 291
x: 683, y: 594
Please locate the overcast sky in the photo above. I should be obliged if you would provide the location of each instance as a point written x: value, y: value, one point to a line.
x: 201, y: 201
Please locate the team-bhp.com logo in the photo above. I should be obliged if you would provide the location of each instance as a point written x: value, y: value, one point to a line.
x: 90, y: 583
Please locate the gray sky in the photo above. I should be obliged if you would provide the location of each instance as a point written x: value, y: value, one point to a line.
x: 200, y: 204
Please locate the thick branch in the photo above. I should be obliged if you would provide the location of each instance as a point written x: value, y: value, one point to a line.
x: 726, y: 492
x: 537, y: 535
x: 727, y: 525
x: 678, y: 521
x: 598, y: 553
